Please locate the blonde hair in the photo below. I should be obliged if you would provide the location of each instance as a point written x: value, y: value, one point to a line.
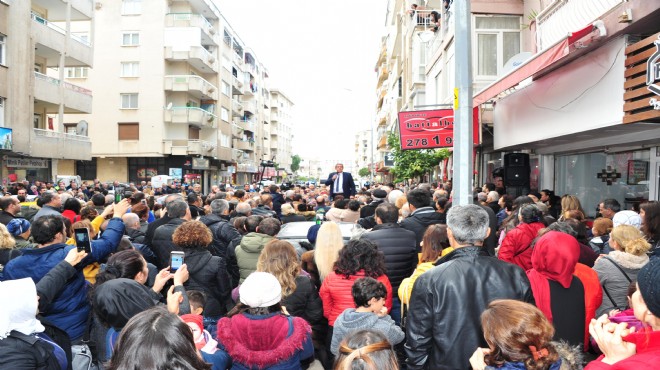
x: 326, y: 252
x: 570, y: 203
x: 287, y: 209
x: 630, y: 239
x: 280, y: 259
x: 400, y: 201
x: 7, y: 241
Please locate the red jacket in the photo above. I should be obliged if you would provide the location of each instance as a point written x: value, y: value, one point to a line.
x: 515, y: 246
x: 337, y: 296
x: 647, y: 356
x: 593, y: 296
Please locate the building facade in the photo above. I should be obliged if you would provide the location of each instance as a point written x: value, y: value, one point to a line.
x: 41, y: 43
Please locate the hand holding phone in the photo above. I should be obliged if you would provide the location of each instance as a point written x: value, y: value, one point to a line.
x: 176, y: 260
x: 83, y: 241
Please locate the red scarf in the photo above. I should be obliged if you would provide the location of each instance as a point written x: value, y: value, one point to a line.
x: 554, y: 258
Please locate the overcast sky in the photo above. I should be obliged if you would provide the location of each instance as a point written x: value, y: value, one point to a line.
x: 322, y: 55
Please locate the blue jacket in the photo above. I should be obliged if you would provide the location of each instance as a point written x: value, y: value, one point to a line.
x: 70, y: 308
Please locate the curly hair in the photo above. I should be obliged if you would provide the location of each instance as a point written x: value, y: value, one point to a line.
x: 192, y: 234
x: 511, y: 328
x: 360, y: 254
x: 88, y: 213
x: 280, y: 259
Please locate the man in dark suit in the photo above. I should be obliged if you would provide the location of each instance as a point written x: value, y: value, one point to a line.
x: 341, y: 183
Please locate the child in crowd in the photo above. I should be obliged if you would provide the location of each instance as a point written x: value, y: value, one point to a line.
x: 197, y: 301
x: 369, y: 296
x: 204, y: 342
x: 601, y: 231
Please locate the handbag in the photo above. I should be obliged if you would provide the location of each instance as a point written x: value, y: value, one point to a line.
x: 605, y: 289
x: 81, y: 353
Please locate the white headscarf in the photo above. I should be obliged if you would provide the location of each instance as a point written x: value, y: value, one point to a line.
x: 19, y: 307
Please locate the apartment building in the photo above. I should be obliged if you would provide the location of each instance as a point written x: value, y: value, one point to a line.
x: 179, y: 94
x: 281, y: 132
x: 363, y: 151
x: 41, y: 42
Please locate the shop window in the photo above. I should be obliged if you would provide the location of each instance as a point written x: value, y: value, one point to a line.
x: 578, y: 175
x: 128, y: 131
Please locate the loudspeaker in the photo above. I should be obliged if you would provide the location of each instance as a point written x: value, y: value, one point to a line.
x: 516, y: 176
x: 517, y: 191
x: 516, y: 160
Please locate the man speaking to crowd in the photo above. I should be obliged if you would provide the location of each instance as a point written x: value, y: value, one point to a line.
x: 341, y: 183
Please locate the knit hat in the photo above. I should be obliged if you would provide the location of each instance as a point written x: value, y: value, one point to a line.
x: 195, y: 319
x: 260, y: 289
x: 627, y: 218
x: 312, y: 233
x: 18, y: 226
x: 379, y: 194
x: 647, y: 279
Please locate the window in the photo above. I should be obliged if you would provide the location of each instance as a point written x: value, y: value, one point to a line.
x: 131, y: 7
x: 70, y: 128
x: 224, y: 114
x: 86, y: 169
x: 2, y: 112
x: 226, y: 89
x: 128, y: 131
x: 130, y: 69
x: 224, y: 141
x: 226, y: 63
x: 76, y: 72
x: 130, y: 38
x: 498, y: 39
x: 3, y: 47
x: 129, y: 101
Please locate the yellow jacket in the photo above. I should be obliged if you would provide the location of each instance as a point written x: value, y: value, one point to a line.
x: 90, y: 271
x: 405, y: 289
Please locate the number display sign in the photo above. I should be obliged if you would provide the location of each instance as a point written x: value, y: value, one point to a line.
x: 428, y: 129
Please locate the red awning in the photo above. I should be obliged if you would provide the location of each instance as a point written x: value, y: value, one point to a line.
x: 540, y: 61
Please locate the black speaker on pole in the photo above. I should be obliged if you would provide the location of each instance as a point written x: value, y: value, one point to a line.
x: 516, y: 174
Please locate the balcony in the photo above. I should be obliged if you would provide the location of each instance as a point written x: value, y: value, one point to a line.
x: 566, y: 16
x: 192, y: 116
x: 188, y: 147
x: 247, y: 166
x: 47, y: 91
x: 58, y: 145
x: 197, y: 56
x: 244, y: 145
x: 250, y: 107
x: 51, y: 40
x: 209, y: 34
x: 274, y: 134
x: 236, y: 86
x: 236, y: 108
x: 193, y: 85
x: 245, y: 124
x: 81, y: 10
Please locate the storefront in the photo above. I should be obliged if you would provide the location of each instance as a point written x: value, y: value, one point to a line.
x: 21, y: 168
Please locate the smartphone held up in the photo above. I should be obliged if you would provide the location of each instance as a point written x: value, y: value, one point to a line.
x: 83, y: 241
x: 176, y: 260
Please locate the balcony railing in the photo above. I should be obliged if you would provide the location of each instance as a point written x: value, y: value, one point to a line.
x: 565, y: 16
x: 39, y: 19
x: 60, y: 135
x: 191, y: 115
x: 56, y: 82
x: 192, y: 20
x: 245, y: 124
x: 194, y: 84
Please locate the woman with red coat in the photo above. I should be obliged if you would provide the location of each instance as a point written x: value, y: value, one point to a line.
x: 359, y: 258
x: 516, y: 246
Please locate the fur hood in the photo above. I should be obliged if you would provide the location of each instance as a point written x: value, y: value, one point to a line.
x: 571, y: 356
x: 628, y: 260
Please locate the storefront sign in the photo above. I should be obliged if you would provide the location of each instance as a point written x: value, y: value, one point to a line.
x: 653, y: 74
x: 638, y: 171
x: 389, y: 159
x: 200, y: 163
x: 176, y: 172
x: 608, y: 175
x: 642, y: 85
x: 26, y: 162
x: 428, y: 129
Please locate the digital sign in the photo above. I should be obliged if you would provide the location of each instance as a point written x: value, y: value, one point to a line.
x: 429, y: 129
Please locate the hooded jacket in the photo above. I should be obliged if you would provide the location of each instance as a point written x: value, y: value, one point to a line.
x: 208, y: 274
x: 516, y: 247
x: 398, y: 246
x: 247, y: 253
x: 271, y: 341
x: 419, y: 220
x: 444, y: 319
x: 351, y: 320
x: 70, y: 308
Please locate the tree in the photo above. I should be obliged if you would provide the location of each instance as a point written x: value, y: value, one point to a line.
x: 295, y: 163
x: 409, y: 164
x: 364, y: 172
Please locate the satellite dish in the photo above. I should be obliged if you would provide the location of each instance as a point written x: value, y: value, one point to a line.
x: 515, y: 62
x: 169, y: 106
x: 81, y: 128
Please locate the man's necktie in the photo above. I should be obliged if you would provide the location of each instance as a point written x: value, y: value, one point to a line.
x: 337, y: 183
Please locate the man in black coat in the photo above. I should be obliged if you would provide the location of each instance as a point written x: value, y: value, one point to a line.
x: 162, y: 244
x: 278, y: 199
x: 421, y: 214
x: 378, y: 196
x: 398, y: 246
x: 225, y: 237
x: 444, y: 325
x: 164, y: 218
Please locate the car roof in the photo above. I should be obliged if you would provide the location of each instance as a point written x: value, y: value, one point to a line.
x: 298, y: 230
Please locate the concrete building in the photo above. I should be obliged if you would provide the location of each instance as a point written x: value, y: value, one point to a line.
x: 179, y: 93
x: 41, y: 42
x: 363, y: 151
x: 281, y: 133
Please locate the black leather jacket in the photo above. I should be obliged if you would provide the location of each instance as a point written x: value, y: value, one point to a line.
x: 444, y: 325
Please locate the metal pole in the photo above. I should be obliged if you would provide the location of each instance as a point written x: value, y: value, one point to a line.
x: 463, y: 172
x: 373, y: 165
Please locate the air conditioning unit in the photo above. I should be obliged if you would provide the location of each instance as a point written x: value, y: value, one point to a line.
x: 211, y: 59
x: 211, y: 89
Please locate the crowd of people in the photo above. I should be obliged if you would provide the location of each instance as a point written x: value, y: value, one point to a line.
x: 177, y: 278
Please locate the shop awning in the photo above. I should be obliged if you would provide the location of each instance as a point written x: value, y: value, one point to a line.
x: 532, y: 66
